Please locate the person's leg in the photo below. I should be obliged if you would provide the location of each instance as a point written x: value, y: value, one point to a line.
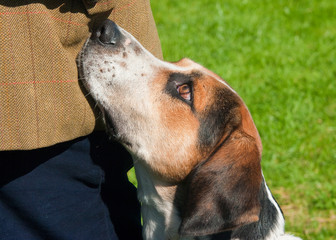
x: 55, y: 193
x: 118, y: 193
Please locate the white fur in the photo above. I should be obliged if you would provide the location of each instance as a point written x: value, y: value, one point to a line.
x: 278, y: 231
x: 160, y: 218
x: 279, y: 227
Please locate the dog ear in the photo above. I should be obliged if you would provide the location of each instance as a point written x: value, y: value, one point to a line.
x: 223, y: 191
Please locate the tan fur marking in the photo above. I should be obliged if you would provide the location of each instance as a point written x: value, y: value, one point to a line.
x: 176, y: 142
x: 184, y: 62
x: 203, y: 93
x: 249, y: 127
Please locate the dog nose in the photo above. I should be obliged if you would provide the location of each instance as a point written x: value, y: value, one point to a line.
x: 107, y: 33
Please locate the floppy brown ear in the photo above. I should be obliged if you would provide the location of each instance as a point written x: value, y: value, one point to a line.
x: 223, y: 191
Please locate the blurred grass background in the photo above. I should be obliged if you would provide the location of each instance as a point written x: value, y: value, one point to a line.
x: 280, y: 56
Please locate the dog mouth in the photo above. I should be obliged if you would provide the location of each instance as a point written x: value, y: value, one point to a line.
x: 80, y: 63
x: 112, y: 129
x: 110, y: 124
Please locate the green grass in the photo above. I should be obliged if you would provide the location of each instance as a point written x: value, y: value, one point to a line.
x: 280, y: 56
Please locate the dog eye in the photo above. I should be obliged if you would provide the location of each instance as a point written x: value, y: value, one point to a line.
x: 185, y: 91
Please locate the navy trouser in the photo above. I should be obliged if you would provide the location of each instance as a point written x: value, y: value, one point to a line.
x: 76, y: 190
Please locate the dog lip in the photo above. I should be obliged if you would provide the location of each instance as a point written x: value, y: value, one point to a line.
x: 109, y: 124
x: 80, y: 58
x: 112, y: 130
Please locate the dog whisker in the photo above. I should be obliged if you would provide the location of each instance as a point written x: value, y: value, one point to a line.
x: 87, y: 94
x: 96, y: 106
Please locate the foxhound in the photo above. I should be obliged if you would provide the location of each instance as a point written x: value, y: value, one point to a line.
x: 195, y: 147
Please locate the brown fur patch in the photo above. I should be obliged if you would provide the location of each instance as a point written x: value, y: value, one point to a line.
x: 137, y: 50
x: 184, y: 62
x: 249, y: 127
x: 203, y: 93
x: 224, y: 189
x: 123, y: 64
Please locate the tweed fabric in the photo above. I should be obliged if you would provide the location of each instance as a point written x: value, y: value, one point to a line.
x: 41, y: 100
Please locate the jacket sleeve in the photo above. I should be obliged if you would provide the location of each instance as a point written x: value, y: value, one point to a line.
x: 41, y: 100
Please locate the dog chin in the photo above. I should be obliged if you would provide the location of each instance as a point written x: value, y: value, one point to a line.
x: 112, y: 130
x: 110, y: 126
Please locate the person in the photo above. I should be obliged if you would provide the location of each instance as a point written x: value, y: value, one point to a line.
x: 61, y: 177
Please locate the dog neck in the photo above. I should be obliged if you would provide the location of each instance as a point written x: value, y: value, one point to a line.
x: 161, y: 216
x: 161, y: 219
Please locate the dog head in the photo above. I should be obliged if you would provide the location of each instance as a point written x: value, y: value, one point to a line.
x: 184, y: 123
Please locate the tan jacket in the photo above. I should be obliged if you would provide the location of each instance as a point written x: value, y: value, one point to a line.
x: 41, y: 101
